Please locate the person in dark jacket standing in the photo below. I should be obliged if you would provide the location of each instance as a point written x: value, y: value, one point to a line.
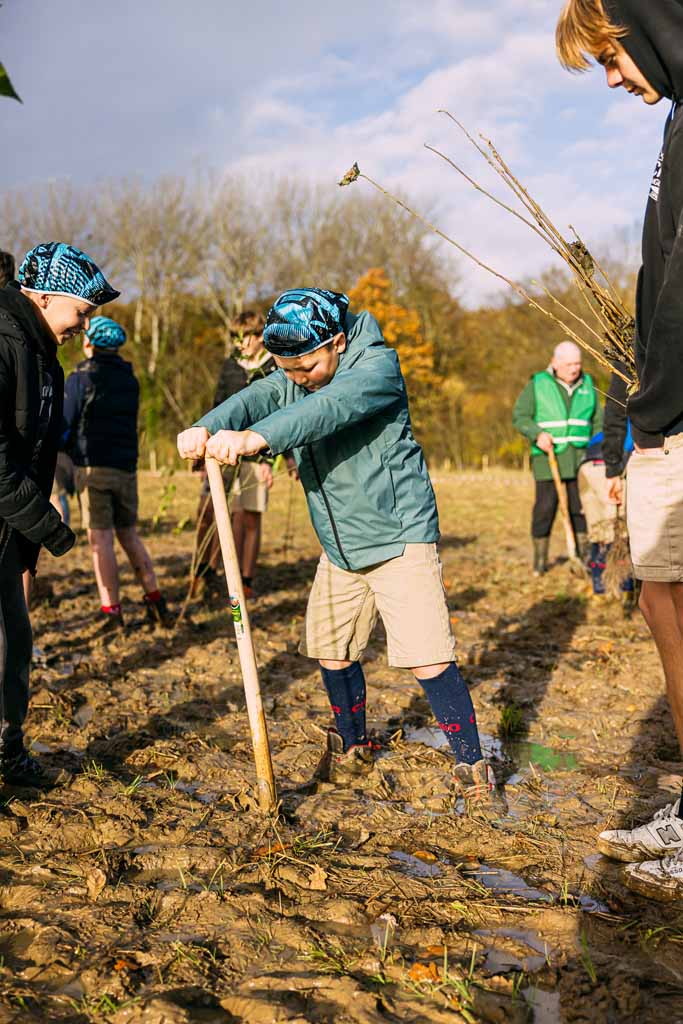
x: 58, y: 288
x: 558, y: 409
x: 101, y: 435
x: 640, y: 45
x: 249, y: 486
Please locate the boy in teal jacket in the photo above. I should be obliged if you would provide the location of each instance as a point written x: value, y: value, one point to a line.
x: 338, y: 402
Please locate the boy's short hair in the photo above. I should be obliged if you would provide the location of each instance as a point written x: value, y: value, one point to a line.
x: 8, y: 268
x: 584, y: 31
x: 248, y: 322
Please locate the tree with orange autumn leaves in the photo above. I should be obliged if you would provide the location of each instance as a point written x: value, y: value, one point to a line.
x: 401, y: 327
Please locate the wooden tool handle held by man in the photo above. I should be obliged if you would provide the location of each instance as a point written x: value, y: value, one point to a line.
x: 564, y: 506
x: 267, y: 796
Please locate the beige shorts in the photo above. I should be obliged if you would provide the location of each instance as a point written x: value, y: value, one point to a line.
x: 654, y: 504
x: 249, y: 493
x: 108, y: 497
x: 600, y: 513
x: 407, y: 592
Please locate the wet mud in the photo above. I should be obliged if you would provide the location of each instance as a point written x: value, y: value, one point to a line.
x: 147, y: 886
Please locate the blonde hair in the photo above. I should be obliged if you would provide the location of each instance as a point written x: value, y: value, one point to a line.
x: 585, y: 31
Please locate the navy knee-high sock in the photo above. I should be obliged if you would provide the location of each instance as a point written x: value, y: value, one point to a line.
x: 454, y: 711
x: 346, y: 690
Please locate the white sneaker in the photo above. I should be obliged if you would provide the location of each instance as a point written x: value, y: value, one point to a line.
x: 658, y: 879
x: 658, y: 838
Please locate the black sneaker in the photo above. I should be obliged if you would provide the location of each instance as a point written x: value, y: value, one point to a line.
x: 158, y: 613
x: 110, y: 623
x: 25, y: 771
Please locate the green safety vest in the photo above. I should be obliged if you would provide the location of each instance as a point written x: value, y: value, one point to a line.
x: 566, y: 427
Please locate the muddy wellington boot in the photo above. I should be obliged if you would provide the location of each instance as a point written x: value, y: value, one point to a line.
x: 344, y: 767
x: 541, y: 545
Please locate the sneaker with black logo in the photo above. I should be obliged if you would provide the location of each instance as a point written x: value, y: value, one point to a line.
x: 657, y: 879
x: 657, y: 838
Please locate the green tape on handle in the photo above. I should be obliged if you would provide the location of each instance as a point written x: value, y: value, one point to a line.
x: 237, y: 621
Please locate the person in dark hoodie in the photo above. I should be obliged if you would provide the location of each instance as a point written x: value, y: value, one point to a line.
x: 640, y: 45
x: 57, y: 290
x: 101, y: 436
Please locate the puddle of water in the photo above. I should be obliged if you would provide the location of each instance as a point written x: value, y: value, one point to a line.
x: 530, y: 938
x: 593, y: 861
x: 433, y: 737
x: 545, y: 1005
x: 498, y: 880
x: 499, y: 961
x: 192, y: 790
x: 522, y: 752
x: 414, y: 866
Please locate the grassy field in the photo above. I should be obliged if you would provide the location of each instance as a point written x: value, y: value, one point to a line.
x: 149, y: 888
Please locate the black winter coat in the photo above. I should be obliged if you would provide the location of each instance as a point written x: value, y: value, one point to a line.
x: 101, y: 413
x: 31, y: 398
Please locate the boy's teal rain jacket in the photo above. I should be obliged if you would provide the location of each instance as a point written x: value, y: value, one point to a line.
x: 364, y: 474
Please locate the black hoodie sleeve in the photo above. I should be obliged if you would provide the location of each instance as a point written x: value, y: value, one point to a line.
x: 659, y: 403
x: 23, y: 505
x: 615, y: 426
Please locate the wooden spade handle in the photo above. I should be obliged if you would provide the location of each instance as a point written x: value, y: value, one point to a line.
x: 267, y: 795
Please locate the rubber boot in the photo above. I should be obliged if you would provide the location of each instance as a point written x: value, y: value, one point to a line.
x: 583, y: 547
x: 541, y: 545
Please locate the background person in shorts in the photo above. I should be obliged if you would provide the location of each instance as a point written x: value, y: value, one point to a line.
x: 100, y: 415
x: 640, y: 45
x: 338, y: 401
x: 249, y: 361
x: 58, y: 289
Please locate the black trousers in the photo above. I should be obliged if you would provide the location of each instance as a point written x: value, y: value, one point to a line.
x: 545, y: 508
x: 16, y: 649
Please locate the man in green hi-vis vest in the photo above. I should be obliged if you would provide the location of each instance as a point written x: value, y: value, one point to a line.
x: 558, y: 409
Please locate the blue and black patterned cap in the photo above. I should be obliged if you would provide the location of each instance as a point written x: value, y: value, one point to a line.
x: 304, y: 319
x: 105, y: 333
x: 60, y: 269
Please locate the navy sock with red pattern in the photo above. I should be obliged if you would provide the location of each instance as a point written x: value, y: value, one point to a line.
x: 453, y: 709
x: 346, y: 690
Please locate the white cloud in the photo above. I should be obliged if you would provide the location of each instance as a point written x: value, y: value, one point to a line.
x: 313, y: 87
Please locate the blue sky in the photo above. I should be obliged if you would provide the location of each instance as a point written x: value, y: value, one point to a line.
x: 151, y: 87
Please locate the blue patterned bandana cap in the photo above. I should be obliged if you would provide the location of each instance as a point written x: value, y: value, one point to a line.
x: 105, y: 333
x: 56, y: 268
x: 304, y: 319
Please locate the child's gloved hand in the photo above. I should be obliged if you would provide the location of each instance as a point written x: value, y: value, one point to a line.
x: 227, y: 446
x: 192, y: 442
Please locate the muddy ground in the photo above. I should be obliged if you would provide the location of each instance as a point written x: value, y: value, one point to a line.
x: 149, y: 888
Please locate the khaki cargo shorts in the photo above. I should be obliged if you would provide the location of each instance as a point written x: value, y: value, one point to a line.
x: 407, y: 592
x: 108, y: 497
x: 600, y: 513
x: 654, y: 504
x: 249, y: 493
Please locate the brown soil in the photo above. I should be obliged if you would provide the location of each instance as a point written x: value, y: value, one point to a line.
x: 149, y: 887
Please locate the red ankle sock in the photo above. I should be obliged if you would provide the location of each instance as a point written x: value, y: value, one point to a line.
x: 153, y: 597
x: 111, y: 609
